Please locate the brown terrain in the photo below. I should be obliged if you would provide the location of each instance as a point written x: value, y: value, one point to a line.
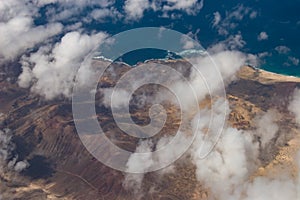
x: 61, y: 168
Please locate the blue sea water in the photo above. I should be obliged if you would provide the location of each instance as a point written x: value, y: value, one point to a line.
x: 279, y: 19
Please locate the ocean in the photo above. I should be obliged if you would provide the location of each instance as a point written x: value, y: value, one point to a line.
x: 280, y: 52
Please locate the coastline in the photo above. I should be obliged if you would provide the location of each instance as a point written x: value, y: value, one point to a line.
x: 264, y: 76
x: 246, y: 72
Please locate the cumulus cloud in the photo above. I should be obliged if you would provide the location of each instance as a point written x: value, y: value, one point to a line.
x: 70, y: 11
x: 264, y: 54
x: 267, y: 189
x: 253, y: 14
x: 21, y: 165
x: 135, y: 8
x: 82, y: 3
x: 18, y: 35
x: 226, y: 171
x: 230, y: 162
x: 16, y: 8
x: 102, y: 14
x: 267, y: 127
x: 234, y: 142
x: 226, y: 167
x: 217, y: 18
x: 294, y: 60
x: 189, y: 6
x: 209, y: 76
x: 50, y: 71
x: 282, y: 49
x: 137, y: 163
x: 277, y: 188
x: 262, y: 36
x: 119, y: 102
x: 231, y: 19
x: 228, y: 62
x: 221, y: 62
x: 233, y: 42
x: 18, y: 32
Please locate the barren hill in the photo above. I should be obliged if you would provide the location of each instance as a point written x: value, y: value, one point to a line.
x: 61, y: 167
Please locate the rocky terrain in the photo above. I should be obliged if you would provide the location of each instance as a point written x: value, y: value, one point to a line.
x: 61, y: 168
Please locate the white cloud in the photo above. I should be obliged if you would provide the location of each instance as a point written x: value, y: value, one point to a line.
x: 51, y: 71
x: 234, y: 151
x: 101, y: 14
x: 217, y: 18
x: 267, y: 189
x: 267, y: 128
x: 293, y: 60
x: 71, y: 10
x: 189, y: 6
x: 239, y: 12
x: 231, y: 19
x: 79, y: 3
x: 253, y: 15
x: 262, y: 36
x: 137, y: 163
x: 221, y: 60
x: 21, y: 165
x: 118, y: 102
x: 225, y: 64
x: 264, y: 54
x: 19, y: 34
x: 233, y: 42
x: 135, y: 8
x: 282, y: 49
x: 16, y: 8
x: 228, y: 169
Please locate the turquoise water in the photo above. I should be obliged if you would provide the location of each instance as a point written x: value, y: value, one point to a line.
x: 281, y: 21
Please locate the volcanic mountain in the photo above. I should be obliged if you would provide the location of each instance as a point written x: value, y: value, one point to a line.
x: 59, y: 166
